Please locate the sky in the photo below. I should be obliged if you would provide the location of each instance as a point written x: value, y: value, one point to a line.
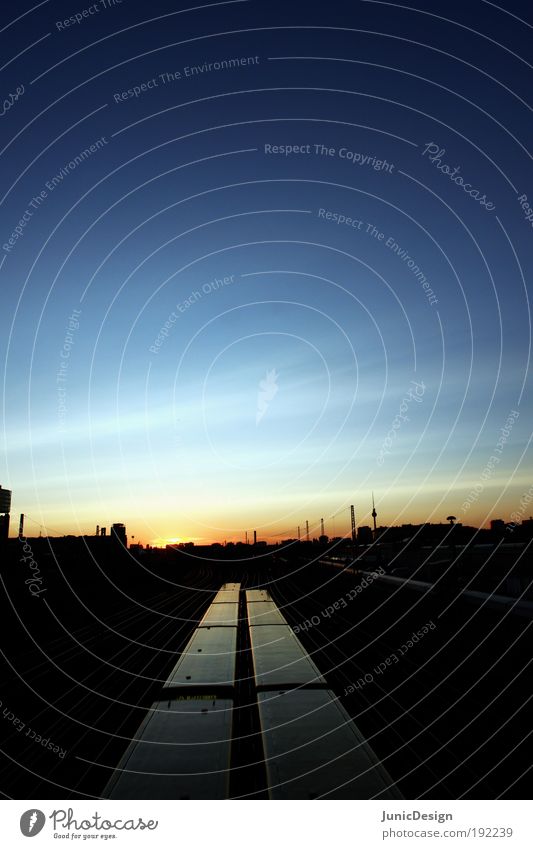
x: 260, y: 260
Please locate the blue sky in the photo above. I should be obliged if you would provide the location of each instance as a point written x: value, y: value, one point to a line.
x: 182, y: 194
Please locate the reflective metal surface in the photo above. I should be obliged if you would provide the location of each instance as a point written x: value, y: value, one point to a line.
x: 208, y: 659
x: 265, y: 613
x: 221, y: 614
x: 226, y: 596
x: 258, y: 595
x: 280, y: 659
x: 313, y: 750
x: 181, y: 751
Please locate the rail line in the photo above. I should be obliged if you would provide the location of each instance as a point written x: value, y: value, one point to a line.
x: 275, y: 721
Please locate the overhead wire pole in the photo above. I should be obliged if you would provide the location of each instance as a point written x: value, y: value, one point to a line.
x: 307, y: 530
x: 334, y: 516
x: 354, y: 540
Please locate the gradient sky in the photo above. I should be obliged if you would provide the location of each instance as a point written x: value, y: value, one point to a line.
x: 181, y: 194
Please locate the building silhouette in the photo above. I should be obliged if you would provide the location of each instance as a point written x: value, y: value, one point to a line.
x: 5, y: 509
x: 118, y: 533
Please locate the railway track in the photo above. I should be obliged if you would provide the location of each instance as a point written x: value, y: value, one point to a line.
x: 430, y: 712
x: 84, y: 673
x: 84, y: 687
x: 274, y: 729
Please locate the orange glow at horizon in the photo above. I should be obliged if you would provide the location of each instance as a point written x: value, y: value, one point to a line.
x: 161, y: 542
